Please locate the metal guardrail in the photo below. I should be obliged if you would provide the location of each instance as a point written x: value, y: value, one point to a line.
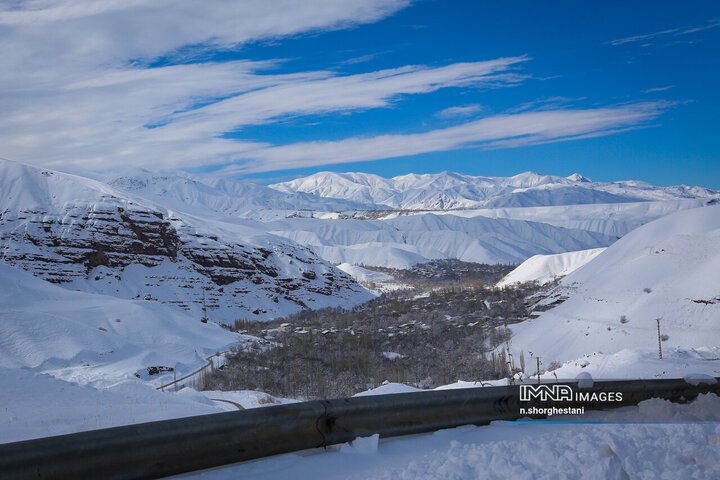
x: 157, y: 449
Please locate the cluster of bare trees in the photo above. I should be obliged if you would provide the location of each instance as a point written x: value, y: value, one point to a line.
x: 420, y: 340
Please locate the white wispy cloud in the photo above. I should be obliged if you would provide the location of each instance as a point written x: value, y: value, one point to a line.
x: 671, y: 32
x: 499, y: 131
x: 461, y: 111
x: 362, y: 58
x: 546, y: 103
x: 135, y: 116
x: 659, y: 89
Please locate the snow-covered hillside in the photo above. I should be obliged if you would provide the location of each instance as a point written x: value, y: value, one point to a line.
x: 667, y: 270
x: 448, y: 190
x: 546, y: 268
x: 83, y: 234
x: 363, y: 274
x: 87, y: 337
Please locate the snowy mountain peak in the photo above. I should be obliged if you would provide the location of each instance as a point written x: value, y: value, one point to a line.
x: 576, y: 177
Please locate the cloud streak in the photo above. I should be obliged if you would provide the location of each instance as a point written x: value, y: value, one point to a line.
x: 659, y: 89
x: 671, y: 32
x: 500, y: 131
x: 462, y: 111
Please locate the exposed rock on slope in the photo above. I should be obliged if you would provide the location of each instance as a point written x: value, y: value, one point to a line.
x: 85, y: 235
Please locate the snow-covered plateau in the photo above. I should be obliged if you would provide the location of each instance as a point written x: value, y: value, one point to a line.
x: 104, y: 286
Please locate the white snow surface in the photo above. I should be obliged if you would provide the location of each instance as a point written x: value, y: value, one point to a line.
x: 667, y: 270
x: 614, y: 219
x: 546, y: 268
x: 38, y: 405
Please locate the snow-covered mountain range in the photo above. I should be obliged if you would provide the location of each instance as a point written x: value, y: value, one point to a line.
x: 448, y: 190
x: 402, y: 241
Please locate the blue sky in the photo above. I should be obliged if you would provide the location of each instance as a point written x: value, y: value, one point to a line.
x: 613, y: 90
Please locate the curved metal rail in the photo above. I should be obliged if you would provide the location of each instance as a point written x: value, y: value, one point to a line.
x: 157, y: 449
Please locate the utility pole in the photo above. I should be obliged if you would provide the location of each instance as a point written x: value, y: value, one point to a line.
x: 659, y: 339
x: 204, y: 318
x: 538, y: 369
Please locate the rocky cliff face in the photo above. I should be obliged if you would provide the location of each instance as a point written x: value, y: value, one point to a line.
x: 84, y: 235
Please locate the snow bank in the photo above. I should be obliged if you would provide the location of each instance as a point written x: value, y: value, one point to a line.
x: 361, y: 445
x: 389, y: 388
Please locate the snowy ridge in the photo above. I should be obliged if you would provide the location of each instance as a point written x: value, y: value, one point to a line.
x: 546, y: 268
x: 664, y: 270
x: 448, y: 190
x: 342, y: 230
